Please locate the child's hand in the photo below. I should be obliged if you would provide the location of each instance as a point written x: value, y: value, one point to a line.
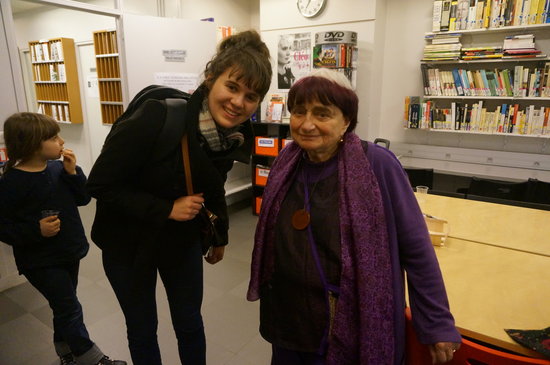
x: 69, y: 161
x: 50, y: 226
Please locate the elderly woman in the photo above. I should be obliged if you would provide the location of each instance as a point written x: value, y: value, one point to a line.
x: 339, y: 224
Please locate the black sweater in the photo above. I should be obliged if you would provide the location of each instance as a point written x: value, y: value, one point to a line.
x: 23, y: 196
x: 135, y: 189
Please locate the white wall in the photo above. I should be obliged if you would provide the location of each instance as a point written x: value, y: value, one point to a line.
x: 360, y: 15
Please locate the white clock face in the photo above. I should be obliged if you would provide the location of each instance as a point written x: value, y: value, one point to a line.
x: 310, y: 8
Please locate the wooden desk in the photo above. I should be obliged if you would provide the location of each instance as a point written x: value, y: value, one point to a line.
x: 507, y: 226
x: 492, y: 288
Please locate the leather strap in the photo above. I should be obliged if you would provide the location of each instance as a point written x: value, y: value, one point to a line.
x: 186, y: 164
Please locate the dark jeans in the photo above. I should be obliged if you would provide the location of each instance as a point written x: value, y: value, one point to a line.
x: 58, y: 285
x: 281, y: 356
x: 135, y: 290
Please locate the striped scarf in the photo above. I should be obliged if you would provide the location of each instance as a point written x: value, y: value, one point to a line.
x: 218, y: 138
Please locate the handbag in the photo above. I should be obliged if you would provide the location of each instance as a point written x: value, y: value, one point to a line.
x: 209, y: 235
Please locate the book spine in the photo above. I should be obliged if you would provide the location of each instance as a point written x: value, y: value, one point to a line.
x: 436, y: 19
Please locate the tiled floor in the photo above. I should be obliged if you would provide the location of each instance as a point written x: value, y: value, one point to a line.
x: 231, y: 322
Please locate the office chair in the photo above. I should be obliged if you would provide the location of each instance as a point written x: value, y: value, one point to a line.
x: 382, y: 141
x: 415, y: 352
x: 498, y: 189
x: 538, y: 191
x: 516, y: 203
x: 447, y: 193
x: 418, y: 177
x: 470, y: 353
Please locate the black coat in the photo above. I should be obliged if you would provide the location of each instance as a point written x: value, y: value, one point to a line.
x: 135, y: 189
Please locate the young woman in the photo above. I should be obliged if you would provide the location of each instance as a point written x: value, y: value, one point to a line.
x: 145, y: 221
x: 39, y: 199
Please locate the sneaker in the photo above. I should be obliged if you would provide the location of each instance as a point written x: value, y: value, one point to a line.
x: 67, y: 359
x: 106, y: 361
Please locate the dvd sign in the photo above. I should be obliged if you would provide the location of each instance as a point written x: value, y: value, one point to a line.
x: 338, y: 36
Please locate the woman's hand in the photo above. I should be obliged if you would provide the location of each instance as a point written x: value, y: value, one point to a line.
x: 186, y: 207
x: 443, y: 352
x: 215, y: 254
x: 69, y: 161
x: 50, y: 226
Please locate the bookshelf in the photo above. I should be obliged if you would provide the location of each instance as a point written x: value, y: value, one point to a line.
x: 270, y: 139
x: 55, y: 78
x: 337, y: 50
x: 495, y: 93
x: 108, y: 75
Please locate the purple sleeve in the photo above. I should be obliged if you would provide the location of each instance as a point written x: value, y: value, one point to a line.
x: 413, y: 251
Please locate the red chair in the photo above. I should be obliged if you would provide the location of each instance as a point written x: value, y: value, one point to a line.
x: 470, y: 353
x: 415, y: 352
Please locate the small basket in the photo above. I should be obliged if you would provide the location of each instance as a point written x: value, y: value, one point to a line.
x: 438, y: 229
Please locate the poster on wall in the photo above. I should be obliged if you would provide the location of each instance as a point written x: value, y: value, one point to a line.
x: 293, y: 58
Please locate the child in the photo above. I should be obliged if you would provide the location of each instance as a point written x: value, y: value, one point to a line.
x: 39, y: 218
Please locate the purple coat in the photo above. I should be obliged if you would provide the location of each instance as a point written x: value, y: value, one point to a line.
x: 379, y: 213
x: 411, y: 250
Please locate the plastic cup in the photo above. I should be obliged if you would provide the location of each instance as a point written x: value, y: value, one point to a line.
x: 422, y: 189
x: 49, y: 213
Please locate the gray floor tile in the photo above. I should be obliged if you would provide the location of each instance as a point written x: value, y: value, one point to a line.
x: 10, y: 309
x: 26, y: 296
x: 256, y: 352
x: 23, y: 338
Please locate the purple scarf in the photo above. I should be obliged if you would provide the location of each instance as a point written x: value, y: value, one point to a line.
x: 363, y: 330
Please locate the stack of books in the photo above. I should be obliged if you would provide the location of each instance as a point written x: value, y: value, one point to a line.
x: 480, y: 53
x: 521, y: 46
x: 442, y: 47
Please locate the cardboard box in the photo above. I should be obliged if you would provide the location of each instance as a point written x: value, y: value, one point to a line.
x: 261, y: 174
x: 257, y: 204
x: 438, y: 229
x: 266, y: 146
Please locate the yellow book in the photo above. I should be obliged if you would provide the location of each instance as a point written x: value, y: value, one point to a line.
x: 487, y: 14
x: 533, y: 11
x: 452, y: 19
x: 517, y: 12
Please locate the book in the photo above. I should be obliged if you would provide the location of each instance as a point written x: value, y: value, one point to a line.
x: 452, y: 16
x: 436, y: 17
x: 445, y: 15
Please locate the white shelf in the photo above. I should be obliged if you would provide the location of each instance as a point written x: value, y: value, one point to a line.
x: 480, y: 133
x: 110, y: 79
x: 52, y: 102
x: 107, y: 55
x: 496, y: 60
x: 50, y: 82
x: 487, y: 97
x: 111, y: 102
x: 50, y: 61
x: 515, y: 28
x: 236, y: 186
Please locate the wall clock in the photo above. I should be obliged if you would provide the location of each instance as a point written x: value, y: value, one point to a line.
x: 310, y: 8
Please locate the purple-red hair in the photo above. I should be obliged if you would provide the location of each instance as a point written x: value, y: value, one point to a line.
x: 327, y: 92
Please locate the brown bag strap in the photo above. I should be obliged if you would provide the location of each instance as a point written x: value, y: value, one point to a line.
x: 187, y: 164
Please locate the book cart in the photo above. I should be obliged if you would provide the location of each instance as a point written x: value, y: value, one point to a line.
x: 269, y: 139
x: 337, y: 50
x: 108, y: 74
x: 55, y: 78
x: 508, y: 89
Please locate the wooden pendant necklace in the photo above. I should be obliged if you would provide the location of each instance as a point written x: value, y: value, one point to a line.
x: 301, y: 217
